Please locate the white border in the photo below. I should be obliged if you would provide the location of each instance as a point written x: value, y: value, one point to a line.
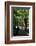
x: 30, y: 24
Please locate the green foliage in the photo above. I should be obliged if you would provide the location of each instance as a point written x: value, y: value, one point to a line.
x: 21, y: 17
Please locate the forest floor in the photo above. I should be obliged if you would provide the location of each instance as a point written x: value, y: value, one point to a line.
x: 21, y: 32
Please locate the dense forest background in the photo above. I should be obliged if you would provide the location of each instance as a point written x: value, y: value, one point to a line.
x: 21, y: 21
